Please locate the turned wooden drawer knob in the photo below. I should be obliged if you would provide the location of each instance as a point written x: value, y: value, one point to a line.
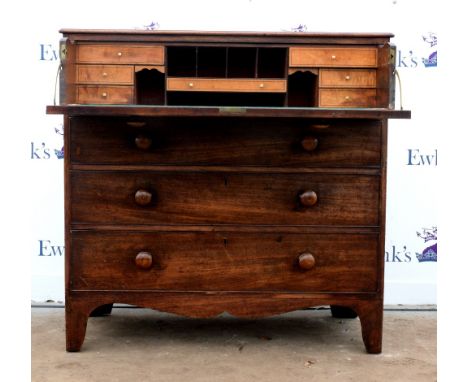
x: 306, y: 261
x: 143, y: 142
x: 144, y: 260
x: 308, y: 198
x: 309, y: 143
x: 143, y: 197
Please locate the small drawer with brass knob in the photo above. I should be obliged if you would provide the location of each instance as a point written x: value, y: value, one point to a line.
x: 120, y: 54
x: 338, y: 97
x: 97, y: 94
x: 344, y: 78
x: 227, y: 85
x: 332, y: 57
x: 105, y: 74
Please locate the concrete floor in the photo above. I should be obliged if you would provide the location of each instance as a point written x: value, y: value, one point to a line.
x: 144, y: 345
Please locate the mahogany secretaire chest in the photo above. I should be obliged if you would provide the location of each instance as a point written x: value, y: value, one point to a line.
x: 210, y: 172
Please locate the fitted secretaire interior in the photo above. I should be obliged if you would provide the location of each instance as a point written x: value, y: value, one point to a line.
x: 229, y: 76
x: 233, y: 71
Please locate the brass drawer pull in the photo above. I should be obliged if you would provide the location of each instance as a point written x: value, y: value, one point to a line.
x: 306, y: 261
x: 104, y: 95
x: 143, y: 197
x: 308, y: 198
x: 144, y: 260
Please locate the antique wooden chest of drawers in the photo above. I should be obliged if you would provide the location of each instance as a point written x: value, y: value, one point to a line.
x: 242, y: 172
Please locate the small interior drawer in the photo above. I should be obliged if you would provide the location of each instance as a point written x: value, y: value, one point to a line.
x: 226, y: 85
x: 347, y: 97
x: 104, y: 94
x: 120, y: 54
x: 342, y: 78
x: 104, y: 74
x: 332, y: 57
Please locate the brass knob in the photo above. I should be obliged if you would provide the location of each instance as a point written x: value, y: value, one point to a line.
x: 309, y: 143
x: 119, y: 54
x: 261, y: 86
x: 104, y: 74
x: 308, y: 198
x: 306, y: 261
x: 347, y: 98
x: 347, y: 78
x: 143, y: 197
x: 144, y: 260
x: 190, y: 84
x: 104, y: 95
x: 333, y: 57
x: 143, y: 142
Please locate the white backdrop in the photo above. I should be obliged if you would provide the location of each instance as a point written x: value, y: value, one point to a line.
x: 413, y: 145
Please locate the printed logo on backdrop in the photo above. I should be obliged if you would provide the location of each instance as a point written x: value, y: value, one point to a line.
x: 48, y: 52
x: 418, y: 157
x: 424, y: 55
x: 50, y: 148
x: 427, y: 252
x: 49, y: 249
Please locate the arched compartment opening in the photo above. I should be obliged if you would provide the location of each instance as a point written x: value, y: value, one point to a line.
x: 150, y: 87
x: 302, y: 89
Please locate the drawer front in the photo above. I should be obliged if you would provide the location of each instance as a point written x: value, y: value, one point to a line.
x: 106, y: 197
x: 120, y: 54
x: 104, y: 74
x: 224, y: 262
x: 347, y: 97
x: 226, y: 85
x: 206, y: 141
x: 333, y: 57
x: 354, y: 78
x: 88, y: 94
